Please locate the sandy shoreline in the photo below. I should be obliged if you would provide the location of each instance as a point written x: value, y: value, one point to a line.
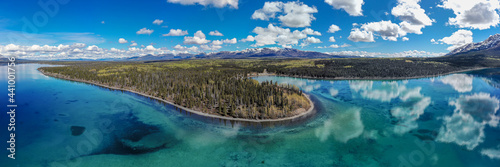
x: 187, y: 109
x: 372, y: 78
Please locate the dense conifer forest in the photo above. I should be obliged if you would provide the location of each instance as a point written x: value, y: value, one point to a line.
x: 200, y: 85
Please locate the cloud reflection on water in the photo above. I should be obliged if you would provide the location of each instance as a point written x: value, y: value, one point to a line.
x: 472, y: 113
x: 412, y: 106
x: 344, y: 126
x: 460, y: 82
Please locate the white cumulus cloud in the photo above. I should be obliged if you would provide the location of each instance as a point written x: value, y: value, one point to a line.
x: 122, y: 40
x: 310, y: 40
x: 331, y: 39
x: 145, y: 31
x: 352, y: 7
x: 290, y: 14
x: 410, y: 11
x: 333, y: 28
x: 158, y: 22
x: 475, y: 14
x: 249, y: 38
x: 176, y: 32
x: 357, y: 35
x: 457, y: 39
x: 215, y: 33
x: 281, y: 36
x: 198, y: 38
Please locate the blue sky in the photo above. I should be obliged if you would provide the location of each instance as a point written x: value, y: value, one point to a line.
x: 367, y: 27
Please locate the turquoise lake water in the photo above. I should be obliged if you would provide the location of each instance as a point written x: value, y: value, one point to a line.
x: 450, y: 120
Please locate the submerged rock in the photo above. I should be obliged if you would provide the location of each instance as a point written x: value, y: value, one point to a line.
x: 148, y: 142
x: 425, y: 134
x: 77, y: 130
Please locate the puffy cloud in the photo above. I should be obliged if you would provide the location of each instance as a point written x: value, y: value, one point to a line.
x: 392, y: 31
x: 249, y: 38
x: 122, y: 40
x: 357, y: 35
x: 413, y: 17
x: 215, y: 3
x: 386, y: 29
x: 215, y: 33
x: 310, y: 31
x: 352, y: 7
x: 291, y: 14
x: 338, y: 46
x: 76, y: 50
x: 310, y: 40
x: 333, y: 28
x: 210, y: 47
x: 477, y: 14
x: 413, y: 20
x: 158, y: 22
x: 230, y: 41
x: 405, y: 38
x: 145, y: 31
x: 93, y: 48
x: 217, y: 42
x: 331, y: 39
x: 344, y: 45
x: 176, y: 32
x: 344, y: 126
x: 410, y: 11
x: 460, y: 82
x: 268, y: 11
x: 472, y: 113
x: 133, y: 44
x: 281, y: 36
x: 407, y: 28
x: 433, y: 41
x: 457, y: 39
x: 184, y: 48
x: 198, y: 38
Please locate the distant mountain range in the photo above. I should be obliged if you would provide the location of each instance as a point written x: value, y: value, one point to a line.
x: 488, y: 46
x: 244, y: 54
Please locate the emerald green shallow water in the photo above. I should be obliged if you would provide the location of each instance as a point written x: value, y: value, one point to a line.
x: 442, y: 121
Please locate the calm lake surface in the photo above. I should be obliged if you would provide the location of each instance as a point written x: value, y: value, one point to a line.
x: 450, y: 120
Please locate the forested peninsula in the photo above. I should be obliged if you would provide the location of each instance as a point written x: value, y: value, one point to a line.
x: 205, y: 88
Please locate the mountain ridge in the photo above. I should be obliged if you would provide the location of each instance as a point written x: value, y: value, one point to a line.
x: 243, y: 54
x: 492, y: 43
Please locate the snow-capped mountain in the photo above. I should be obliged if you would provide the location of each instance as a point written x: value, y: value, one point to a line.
x: 493, y: 42
x: 267, y: 53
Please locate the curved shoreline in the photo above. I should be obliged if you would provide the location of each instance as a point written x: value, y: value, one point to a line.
x: 374, y: 78
x: 307, y: 112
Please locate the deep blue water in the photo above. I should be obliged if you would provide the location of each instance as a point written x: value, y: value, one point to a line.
x: 444, y: 121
